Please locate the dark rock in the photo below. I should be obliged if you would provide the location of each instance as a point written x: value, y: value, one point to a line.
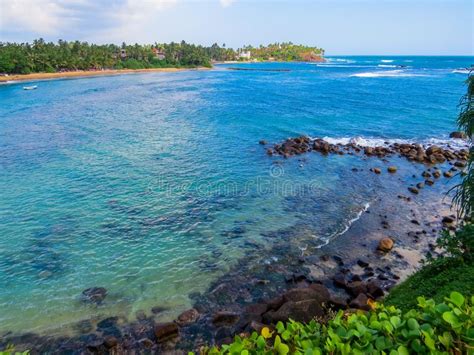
x: 420, y: 185
x: 374, y: 289
x: 188, y: 317
x: 360, y: 302
x: 166, y: 331
x: 429, y: 182
x: 256, y: 308
x: 392, y: 169
x: 110, y: 341
x: 448, y: 174
x: 225, y: 318
x: 146, y: 343
x: 262, y: 142
x: 94, y: 294
x: 140, y: 315
x: 362, y: 263
x: 339, y: 280
x: 157, y: 309
x: 275, y: 303
x: 301, y: 311
x: 337, y: 303
x: 460, y: 164
x: 413, y: 190
x: 458, y: 135
x: 355, y: 288
x: 377, y: 170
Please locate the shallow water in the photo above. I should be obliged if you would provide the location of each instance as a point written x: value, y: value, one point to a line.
x: 153, y: 185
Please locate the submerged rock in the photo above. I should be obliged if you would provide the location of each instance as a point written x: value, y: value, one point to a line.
x: 188, y: 317
x: 166, y: 331
x: 457, y: 135
x: 94, y: 294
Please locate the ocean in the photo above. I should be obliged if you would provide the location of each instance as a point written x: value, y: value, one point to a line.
x: 154, y: 185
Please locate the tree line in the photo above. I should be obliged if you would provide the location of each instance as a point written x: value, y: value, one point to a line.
x: 42, y: 56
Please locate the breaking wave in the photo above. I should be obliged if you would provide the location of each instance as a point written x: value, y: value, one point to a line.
x: 386, y: 73
x: 377, y: 142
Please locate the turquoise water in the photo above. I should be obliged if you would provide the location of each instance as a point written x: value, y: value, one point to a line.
x: 153, y: 185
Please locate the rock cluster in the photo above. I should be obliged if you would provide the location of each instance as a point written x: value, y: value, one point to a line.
x: 413, y: 152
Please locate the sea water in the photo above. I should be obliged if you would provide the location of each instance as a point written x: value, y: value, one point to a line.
x: 153, y: 185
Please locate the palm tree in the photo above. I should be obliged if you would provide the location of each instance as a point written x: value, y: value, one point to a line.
x: 464, y: 197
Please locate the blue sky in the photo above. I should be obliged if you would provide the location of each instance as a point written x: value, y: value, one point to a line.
x: 425, y: 27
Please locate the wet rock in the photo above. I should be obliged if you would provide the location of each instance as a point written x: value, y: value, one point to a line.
x: 337, y: 303
x: 256, y: 308
x: 356, y: 287
x: 301, y: 311
x: 140, y: 315
x: 262, y: 142
x: 429, y: 182
x: 420, y: 185
x: 360, y: 302
x: 392, y: 169
x: 460, y: 164
x: 413, y: 190
x: 95, y: 346
x: 377, y: 170
x: 437, y: 174
x: 146, y: 343
x: 275, y: 303
x: 426, y: 174
x: 448, y: 174
x: 225, y: 318
x: 374, y: 289
x: 188, y: 317
x: 314, y: 292
x: 457, y: 135
x: 433, y: 150
x: 166, y: 331
x: 385, y: 244
x: 110, y: 341
x: 339, y: 280
x: 94, y: 294
x: 362, y: 263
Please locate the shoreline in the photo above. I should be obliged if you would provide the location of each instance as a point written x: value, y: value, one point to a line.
x: 230, y: 304
x: 87, y: 73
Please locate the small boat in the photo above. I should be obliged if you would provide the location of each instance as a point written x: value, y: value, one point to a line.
x: 30, y: 87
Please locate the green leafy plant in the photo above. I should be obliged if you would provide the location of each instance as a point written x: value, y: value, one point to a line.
x: 443, y: 328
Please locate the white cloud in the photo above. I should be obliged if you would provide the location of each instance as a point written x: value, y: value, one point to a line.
x: 226, y: 3
x: 40, y: 16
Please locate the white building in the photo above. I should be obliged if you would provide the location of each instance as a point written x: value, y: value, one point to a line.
x: 245, y: 55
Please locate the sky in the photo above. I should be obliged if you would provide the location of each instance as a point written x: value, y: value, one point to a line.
x: 357, y: 27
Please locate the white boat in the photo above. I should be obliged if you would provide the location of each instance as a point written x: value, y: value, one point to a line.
x: 30, y: 87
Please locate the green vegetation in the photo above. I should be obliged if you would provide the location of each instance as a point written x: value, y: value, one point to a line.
x: 41, y: 56
x: 437, y: 279
x: 464, y: 198
x: 286, y: 52
x: 442, y: 328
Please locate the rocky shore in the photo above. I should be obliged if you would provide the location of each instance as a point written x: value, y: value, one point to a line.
x: 381, y: 248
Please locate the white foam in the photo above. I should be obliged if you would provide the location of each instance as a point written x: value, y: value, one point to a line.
x: 387, y: 60
x: 345, y: 227
x: 387, y: 66
x: 461, y: 71
x: 386, y: 73
x: 377, y: 142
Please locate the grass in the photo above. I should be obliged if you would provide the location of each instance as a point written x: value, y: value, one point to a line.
x: 436, y: 280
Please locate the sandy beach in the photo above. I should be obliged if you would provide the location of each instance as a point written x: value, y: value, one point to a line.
x: 87, y: 73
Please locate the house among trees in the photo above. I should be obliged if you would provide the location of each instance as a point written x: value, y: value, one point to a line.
x: 159, y: 53
x: 245, y: 55
x: 123, y: 53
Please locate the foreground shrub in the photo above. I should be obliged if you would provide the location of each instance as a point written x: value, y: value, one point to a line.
x: 433, y: 328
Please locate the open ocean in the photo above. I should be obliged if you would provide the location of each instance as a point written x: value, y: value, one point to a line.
x: 153, y: 185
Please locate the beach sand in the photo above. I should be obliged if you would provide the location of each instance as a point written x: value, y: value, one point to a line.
x: 86, y: 73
